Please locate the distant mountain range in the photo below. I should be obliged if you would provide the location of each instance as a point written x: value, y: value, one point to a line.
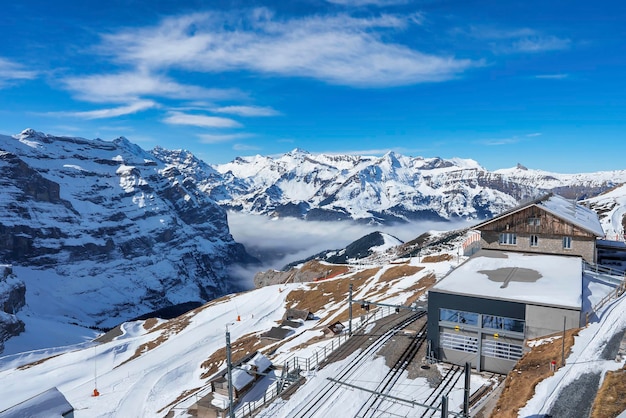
x: 391, y: 188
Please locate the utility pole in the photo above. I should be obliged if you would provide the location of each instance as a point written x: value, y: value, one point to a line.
x: 229, y: 372
x: 563, y: 344
x: 350, y: 311
x: 466, y: 394
x: 444, y: 406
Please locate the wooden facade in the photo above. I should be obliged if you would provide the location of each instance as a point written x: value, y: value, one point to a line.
x: 533, y: 229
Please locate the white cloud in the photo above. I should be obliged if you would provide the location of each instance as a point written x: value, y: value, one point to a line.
x: 179, y: 118
x: 218, y: 138
x: 540, y: 44
x: 11, y: 71
x: 135, y: 107
x: 552, y: 76
x: 125, y: 86
x: 380, y: 3
x: 338, y: 49
x: 516, y: 40
x: 247, y: 110
x: 245, y: 147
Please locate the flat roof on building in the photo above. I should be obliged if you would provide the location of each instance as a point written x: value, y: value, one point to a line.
x: 538, y: 279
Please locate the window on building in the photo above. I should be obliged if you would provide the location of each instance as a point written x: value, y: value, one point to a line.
x: 459, y: 342
x: 534, y: 240
x: 567, y: 243
x: 503, y: 323
x: 508, y: 238
x: 460, y: 317
x: 533, y: 221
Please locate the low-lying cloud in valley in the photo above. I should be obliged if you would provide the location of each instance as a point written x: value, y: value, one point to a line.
x: 279, y: 241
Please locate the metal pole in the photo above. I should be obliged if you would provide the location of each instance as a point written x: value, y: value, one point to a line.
x: 444, y: 406
x: 563, y: 344
x: 350, y: 310
x: 466, y: 395
x: 229, y: 371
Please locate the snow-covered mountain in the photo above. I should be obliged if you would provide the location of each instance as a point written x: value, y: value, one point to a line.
x: 388, y: 188
x: 611, y: 209
x: 103, y: 231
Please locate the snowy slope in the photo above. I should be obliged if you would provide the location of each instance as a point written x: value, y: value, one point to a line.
x: 155, y: 367
x: 611, y: 208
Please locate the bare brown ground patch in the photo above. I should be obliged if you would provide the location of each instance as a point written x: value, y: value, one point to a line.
x: 323, y: 270
x: 169, y: 328
x: 419, y: 288
x: 150, y: 323
x: 610, y: 401
x: 180, y: 397
x: 398, y: 272
x: 437, y: 258
x: 319, y: 294
x: 35, y: 363
x: 532, y: 368
x: 239, y: 349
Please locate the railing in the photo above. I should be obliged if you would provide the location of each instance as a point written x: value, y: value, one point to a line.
x: 311, y: 362
x: 619, y: 291
x: 294, y: 363
x: 614, y: 276
x: 308, y: 363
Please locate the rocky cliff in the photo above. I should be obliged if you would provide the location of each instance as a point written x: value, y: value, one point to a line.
x: 108, y: 230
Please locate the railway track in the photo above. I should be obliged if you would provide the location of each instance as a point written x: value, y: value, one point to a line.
x: 444, y: 387
x: 369, y: 408
x: 326, y: 392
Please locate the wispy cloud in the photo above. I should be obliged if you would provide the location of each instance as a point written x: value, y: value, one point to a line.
x: 379, y: 3
x: 338, y: 49
x: 540, y: 44
x: 179, y: 118
x: 245, y: 147
x: 218, y: 138
x: 11, y: 71
x: 517, y: 40
x: 552, y: 76
x: 510, y: 140
x: 247, y: 110
x: 132, y: 108
x: 131, y: 85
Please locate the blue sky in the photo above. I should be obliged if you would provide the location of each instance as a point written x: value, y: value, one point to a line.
x: 541, y: 83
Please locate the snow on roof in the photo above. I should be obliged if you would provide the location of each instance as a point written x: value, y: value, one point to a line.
x: 261, y: 362
x: 574, y: 213
x: 568, y: 210
x: 533, y: 278
x: 241, y: 378
x: 49, y: 404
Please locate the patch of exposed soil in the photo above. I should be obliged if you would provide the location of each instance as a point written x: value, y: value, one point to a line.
x: 610, y: 400
x: 437, y: 258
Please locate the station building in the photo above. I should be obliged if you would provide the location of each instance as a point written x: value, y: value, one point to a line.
x: 525, y: 282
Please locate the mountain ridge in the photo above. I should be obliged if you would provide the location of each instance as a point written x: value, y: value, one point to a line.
x: 388, y: 189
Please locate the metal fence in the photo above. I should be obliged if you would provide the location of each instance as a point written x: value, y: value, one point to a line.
x: 308, y: 363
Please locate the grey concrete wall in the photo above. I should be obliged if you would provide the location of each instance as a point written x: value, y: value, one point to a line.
x: 583, y: 247
x: 544, y: 320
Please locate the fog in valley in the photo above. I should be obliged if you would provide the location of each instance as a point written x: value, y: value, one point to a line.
x: 279, y: 241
